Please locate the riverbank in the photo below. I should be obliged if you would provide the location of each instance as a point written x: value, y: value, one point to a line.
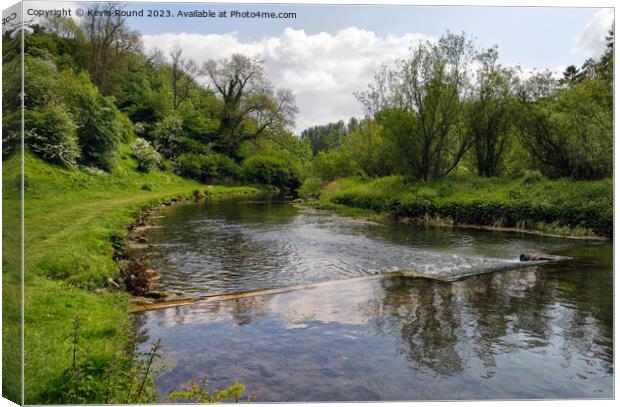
x: 72, y: 217
x: 562, y: 208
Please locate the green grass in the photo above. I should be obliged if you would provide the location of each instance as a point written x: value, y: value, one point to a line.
x: 562, y: 207
x: 70, y: 215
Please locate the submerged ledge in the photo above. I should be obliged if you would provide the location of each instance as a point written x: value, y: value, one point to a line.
x: 142, y: 306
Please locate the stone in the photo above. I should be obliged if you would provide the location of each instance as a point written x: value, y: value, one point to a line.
x: 157, y: 294
x: 111, y: 283
x: 541, y: 257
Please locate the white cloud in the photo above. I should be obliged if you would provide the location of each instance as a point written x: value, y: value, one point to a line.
x: 592, y: 38
x: 323, y: 70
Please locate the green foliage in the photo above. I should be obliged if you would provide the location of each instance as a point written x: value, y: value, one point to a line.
x: 167, y: 136
x: 143, y: 95
x: 11, y: 132
x: 419, y: 102
x: 370, y: 150
x: 490, y: 114
x: 532, y: 177
x: 218, y: 167
x: 189, y: 165
x: 101, y: 127
x: 127, y: 378
x: 198, y: 391
x: 530, y: 203
x: 333, y: 164
x: 208, y: 168
x: 40, y: 82
x: 146, y: 156
x: 251, y: 108
x: 271, y: 171
x: 570, y: 134
x: 51, y: 134
x: 64, y: 98
x: 311, y: 188
x: 328, y: 136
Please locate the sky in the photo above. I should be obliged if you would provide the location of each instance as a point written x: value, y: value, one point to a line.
x: 327, y: 53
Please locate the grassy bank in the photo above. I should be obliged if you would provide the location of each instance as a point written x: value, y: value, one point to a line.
x: 559, y: 207
x: 70, y: 215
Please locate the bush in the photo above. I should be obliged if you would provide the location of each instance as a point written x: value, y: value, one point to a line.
x: 311, y: 188
x: 532, y: 177
x: 101, y: 127
x: 167, y: 136
x: 51, y: 134
x: 271, y: 171
x: 334, y: 164
x: 219, y: 167
x: 208, y: 168
x: 146, y: 155
x: 188, y: 165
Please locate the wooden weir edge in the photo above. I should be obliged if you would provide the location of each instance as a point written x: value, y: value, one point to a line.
x: 140, y: 305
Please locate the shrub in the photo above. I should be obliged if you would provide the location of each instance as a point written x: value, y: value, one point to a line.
x: 101, y: 127
x: 532, y: 177
x: 208, y: 167
x: 51, y: 134
x: 311, y: 188
x: 188, y: 165
x: 167, y: 136
x: 334, y: 164
x: 219, y: 167
x: 146, y: 155
x: 271, y: 171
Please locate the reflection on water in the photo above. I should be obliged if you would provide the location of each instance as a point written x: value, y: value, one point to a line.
x: 543, y: 331
x: 227, y: 247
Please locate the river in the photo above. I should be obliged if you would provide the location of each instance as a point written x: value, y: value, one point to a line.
x: 482, y: 326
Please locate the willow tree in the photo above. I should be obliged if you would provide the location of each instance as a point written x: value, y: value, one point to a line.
x: 491, y: 113
x: 251, y: 106
x: 419, y: 102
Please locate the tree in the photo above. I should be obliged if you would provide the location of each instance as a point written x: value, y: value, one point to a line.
x: 251, y: 107
x: 369, y: 149
x: 571, y: 75
x: 325, y: 137
x: 419, y: 103
x: 182, y: 72
x: 65, y: 27
x: 110, y: 41
x: 491, y: 113
x: 570, y: 134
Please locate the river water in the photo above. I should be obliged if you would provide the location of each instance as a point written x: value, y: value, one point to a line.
x: 484, y: 327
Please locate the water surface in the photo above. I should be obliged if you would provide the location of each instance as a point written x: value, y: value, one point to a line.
x: 498, y: 330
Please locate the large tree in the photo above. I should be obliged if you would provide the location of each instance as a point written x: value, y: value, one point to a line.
x: 490, y: 113
x: 252, y: 107
x: 111, y: 43
x: 569, y: 133
x: 181, y: 76
x: 420, y: 101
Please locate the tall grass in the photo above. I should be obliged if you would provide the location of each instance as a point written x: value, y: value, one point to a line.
x: 562, y: 206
